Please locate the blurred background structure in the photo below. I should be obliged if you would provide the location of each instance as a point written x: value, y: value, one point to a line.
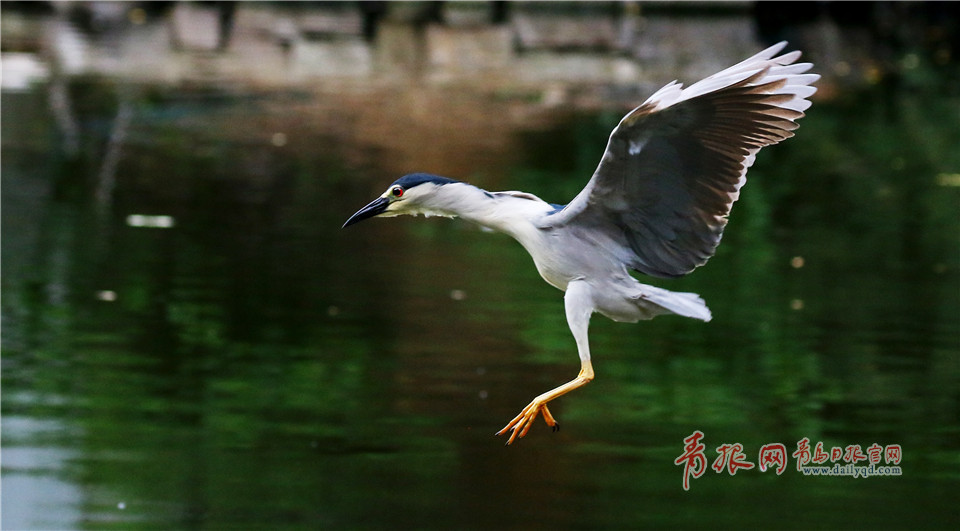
x: 189, y: 340
x: 279, y: 44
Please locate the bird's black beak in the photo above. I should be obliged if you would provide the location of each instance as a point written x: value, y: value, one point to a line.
x: 377, y: 206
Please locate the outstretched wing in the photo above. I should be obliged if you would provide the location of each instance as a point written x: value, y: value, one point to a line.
x: 674, y: 166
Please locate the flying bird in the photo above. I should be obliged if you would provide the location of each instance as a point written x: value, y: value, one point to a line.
x: 657, y: 203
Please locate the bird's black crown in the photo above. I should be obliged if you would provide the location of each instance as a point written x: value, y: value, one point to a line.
x: 416, y: 179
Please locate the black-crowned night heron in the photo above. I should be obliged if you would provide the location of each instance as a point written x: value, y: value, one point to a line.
x: 657, y: 203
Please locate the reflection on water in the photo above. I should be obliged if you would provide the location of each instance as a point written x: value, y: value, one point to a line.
x: 231, y: 357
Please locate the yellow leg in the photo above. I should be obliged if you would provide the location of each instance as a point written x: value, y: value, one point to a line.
x: 520, y: 424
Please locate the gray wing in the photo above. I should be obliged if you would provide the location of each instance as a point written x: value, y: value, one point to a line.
x: 674, y: 166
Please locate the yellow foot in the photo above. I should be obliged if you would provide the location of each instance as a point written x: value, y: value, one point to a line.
x: 520, y: 424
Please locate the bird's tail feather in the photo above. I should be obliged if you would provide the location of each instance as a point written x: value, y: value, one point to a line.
x: 685, y: 304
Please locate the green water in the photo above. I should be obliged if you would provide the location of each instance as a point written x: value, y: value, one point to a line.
x: 256, y: 366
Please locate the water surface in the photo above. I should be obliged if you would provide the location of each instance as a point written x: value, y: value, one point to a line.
x: 254, y: 365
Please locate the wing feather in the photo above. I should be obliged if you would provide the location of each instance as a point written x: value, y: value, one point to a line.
x: 674, y: 166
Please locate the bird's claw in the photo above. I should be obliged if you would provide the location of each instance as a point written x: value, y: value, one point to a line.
x: 521, y: 424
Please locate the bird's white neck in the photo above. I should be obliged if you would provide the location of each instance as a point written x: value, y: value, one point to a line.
x: 509, y: 212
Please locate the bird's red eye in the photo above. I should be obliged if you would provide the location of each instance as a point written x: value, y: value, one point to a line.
x: 396, y: 191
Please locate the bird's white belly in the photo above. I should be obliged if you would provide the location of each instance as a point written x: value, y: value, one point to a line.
x: 559, y: 262
x: 612, y: 291
x: 554, y: 277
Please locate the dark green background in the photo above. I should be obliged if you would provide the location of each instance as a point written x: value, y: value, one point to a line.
x: 262, y: 368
